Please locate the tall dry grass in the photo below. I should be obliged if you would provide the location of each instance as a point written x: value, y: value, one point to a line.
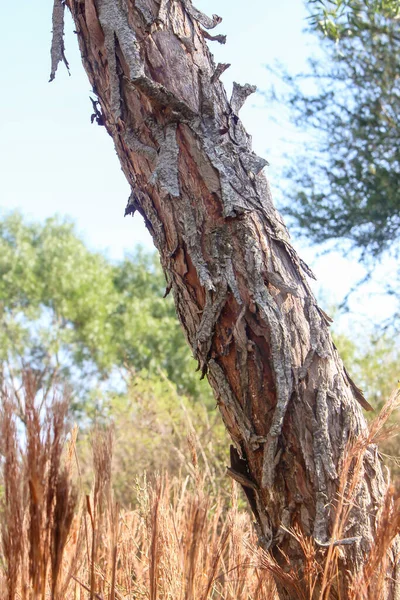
x: 58, y: 543
x: 179, y: 543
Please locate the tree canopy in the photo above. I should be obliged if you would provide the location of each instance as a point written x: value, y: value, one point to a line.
x: 340, y: 18
x: 349, y: 187
x: 71, y: 315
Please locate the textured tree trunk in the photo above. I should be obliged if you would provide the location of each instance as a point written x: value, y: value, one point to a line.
x: 240, y: 289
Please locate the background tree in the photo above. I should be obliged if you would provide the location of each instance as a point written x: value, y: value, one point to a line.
x: 373, y: 362
x: 349, y: 105
x: 240, y: 289
x: 341, y: 18
x: 72, y: 316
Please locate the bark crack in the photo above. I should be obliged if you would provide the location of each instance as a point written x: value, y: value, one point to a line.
x: 219, y: 381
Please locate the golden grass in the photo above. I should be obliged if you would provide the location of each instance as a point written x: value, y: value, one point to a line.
x: 178, y: 544
x: 58, y: 543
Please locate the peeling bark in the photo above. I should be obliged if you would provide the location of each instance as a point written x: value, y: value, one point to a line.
x: 240, y: 289
x: 57, y: 46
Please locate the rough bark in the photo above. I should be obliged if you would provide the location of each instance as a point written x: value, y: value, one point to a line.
x: 240, y: 289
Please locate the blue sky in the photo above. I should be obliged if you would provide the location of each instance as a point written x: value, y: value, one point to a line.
x: 54, y: 161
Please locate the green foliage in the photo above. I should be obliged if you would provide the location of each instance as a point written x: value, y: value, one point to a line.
x: 55, y: 298
x: 374, y: 364
x: 349, y: 188
x: 147, y: 334
x: 156, y: 430
x: 339, y: 18
x: 73, y: 316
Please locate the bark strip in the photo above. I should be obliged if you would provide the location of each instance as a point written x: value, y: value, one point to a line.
x: 57, y: 51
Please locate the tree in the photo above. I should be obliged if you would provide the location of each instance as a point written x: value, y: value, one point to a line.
x: 340, y: 18
x: 74, y: 317
x: 373, y: 362
x: 240, y: 289
x: 55, y: 297
x: 349, y: 188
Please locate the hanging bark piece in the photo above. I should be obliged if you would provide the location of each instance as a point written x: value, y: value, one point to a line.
x: 201, y: 17
x: 239, y: 95
x: 213, y: 38
x: 240, y: 289
x: 57, y: 51
x: 221, y: 68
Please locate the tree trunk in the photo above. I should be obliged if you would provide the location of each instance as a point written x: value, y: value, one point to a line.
x: 240, y: 289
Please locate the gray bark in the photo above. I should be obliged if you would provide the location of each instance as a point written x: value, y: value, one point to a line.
x: 240, y: 289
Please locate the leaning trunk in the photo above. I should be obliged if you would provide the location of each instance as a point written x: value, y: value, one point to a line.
x: 240, y: 289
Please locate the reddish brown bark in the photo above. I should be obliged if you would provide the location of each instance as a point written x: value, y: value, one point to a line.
x: 240, y: 289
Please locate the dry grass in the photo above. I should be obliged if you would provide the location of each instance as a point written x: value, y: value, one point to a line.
x: 178, y: 544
